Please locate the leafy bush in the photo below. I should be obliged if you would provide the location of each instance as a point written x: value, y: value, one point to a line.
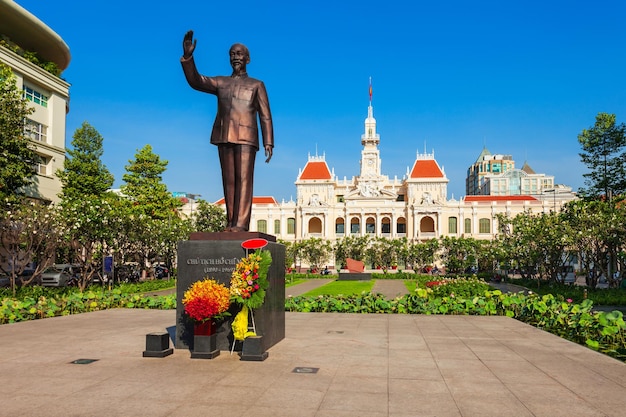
x: 42, y: 303
x: 599, y: 296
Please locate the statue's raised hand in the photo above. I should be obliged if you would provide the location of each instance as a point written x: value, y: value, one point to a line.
x: 189, y: 44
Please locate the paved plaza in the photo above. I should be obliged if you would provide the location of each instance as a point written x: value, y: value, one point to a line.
x: 328, y: 365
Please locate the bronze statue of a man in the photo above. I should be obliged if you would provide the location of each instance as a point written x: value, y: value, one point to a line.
x: 240, y: 99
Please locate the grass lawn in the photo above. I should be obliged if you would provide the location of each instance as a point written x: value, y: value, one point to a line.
x: 289, y: 282
x: 342, y: 288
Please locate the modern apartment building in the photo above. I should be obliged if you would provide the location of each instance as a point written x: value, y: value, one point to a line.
x: 20, y: 32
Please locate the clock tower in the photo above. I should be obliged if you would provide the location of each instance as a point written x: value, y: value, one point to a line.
x: 370, y: 156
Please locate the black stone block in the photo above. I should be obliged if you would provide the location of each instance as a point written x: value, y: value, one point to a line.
x: 253, y: 349
x: 351, y: 276
x: 205, y: 347
x: 157, y: 345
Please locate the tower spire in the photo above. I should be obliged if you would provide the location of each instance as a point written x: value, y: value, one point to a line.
x: 370, y: 136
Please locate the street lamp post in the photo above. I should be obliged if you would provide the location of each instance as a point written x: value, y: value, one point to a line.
x: 553, y: 191
x: 193, y: 198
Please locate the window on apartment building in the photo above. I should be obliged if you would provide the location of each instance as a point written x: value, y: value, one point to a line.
x: 467, y: 226
x: 35, y: 96
x: 41, y: 167
x: 276, y: 227
x: 35, y: 131
x: 261, y: 226
x: 452, y: 225
x: 291, y: 226
x: 484, y: 226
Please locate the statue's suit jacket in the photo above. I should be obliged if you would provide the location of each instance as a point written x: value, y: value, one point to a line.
x: 239, y: 101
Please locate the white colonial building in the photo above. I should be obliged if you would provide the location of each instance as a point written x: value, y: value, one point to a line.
x: 371, y: 203
x: 49, y: 94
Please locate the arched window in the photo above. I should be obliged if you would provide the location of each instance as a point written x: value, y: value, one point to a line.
x: 484, y: 226
x: 276, y: 227
x: 468, y: 226
x: 355, y: 226
x: 452, y: 225
x: 315, y: 225
x: 340, y: 227
x: 401, y: 226
x: 427, y: 225
x: 385, y: 226
x: 370, y: 226
x: 291, y: 226
x: 261, y: 226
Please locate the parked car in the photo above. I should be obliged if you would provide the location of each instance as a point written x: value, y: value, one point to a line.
x: 127, y: 273
x: 161, y: 271
x: 5, y: 282
x: 60, y: 275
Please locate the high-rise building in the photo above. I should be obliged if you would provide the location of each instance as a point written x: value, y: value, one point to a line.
x: 486, y: 165
x: 496, y: 175
x: 22, y: 32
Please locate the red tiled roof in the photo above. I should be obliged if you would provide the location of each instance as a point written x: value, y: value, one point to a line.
x: 426, y: 168
x: 490, y: 198
x: 315, y: 170
x: 255, y: 200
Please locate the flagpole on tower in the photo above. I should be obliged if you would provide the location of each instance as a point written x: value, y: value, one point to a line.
x: 370, y: 91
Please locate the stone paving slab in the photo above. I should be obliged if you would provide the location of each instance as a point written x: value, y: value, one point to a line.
x: 367, y: 365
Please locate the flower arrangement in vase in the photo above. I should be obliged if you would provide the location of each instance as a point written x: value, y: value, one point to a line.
x: 205, y: 302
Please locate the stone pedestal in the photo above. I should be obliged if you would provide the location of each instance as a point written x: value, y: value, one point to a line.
x: 205, y: 347
x: 157, y: 345
x: 215, y: 255
x: 253, y: 349
x: 349, y: 276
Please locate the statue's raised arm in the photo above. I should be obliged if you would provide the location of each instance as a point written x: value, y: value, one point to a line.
x: 189, y: 44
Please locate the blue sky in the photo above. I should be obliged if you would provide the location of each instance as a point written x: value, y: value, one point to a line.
x: 520, y: 77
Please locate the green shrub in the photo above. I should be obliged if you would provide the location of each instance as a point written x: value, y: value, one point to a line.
x: 44, y: 302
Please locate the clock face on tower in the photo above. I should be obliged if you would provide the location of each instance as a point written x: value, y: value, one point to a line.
x: 370, y: 162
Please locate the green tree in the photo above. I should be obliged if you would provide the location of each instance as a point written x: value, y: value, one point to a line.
x: 539, y: 244
x: 604, y: 154
x: 599, y: 236
x: 315, y: 251
x: 17, y: 153
x: 144, y: 185
x: 458, y: 253
x: 29, y: 235
x: 353, y: 247
x: 208, y: 217
x: 84, y: 174
x: 89, y: 231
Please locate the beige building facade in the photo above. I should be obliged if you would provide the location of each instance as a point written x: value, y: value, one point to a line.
x: 47, y: 93
x: 373, y: 204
